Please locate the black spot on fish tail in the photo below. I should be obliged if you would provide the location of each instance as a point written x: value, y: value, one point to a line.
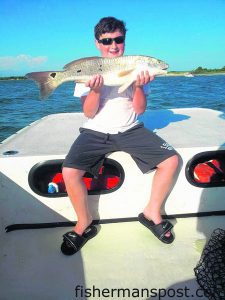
x: 53, y: 75
x: 46, y: 85
x: 78, y: 71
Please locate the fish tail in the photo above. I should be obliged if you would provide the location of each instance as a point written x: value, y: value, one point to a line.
x: 47, y: 82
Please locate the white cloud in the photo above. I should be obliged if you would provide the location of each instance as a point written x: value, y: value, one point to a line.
x: 20, y: 61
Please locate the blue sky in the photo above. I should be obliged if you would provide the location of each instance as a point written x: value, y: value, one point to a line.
x: 38, y: 35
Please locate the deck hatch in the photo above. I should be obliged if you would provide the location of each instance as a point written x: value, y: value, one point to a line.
x: 111, y: 177
x: 207, y: 169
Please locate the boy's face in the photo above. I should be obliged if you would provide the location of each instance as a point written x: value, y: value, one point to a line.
x: 114, y: 49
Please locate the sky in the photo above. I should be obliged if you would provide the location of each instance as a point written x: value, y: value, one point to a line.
x: 41, y: 35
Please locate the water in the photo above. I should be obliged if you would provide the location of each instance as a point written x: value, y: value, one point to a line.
x: 20, y: 105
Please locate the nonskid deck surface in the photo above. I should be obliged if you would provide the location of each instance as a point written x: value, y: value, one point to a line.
x: 181, y: 128
x: 124, y: 258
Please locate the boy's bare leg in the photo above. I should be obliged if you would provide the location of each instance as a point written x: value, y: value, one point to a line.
x: 77, y: 193
x: 161, y: 185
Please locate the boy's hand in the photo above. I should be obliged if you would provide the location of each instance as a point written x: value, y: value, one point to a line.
x: 143, y: 78
x: 95, y: 83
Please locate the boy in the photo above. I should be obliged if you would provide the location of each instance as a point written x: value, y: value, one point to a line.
x: 112, y: 121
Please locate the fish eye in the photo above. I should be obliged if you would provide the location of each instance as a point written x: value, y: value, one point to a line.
x: 53, y: 75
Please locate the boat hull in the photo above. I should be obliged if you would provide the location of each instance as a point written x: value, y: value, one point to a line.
x: 124, y: 257
x: 20, y: 204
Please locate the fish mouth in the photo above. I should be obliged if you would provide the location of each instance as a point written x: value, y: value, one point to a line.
x: 164, y: 66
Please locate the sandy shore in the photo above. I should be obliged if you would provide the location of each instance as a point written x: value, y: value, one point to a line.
x: 187, y: 73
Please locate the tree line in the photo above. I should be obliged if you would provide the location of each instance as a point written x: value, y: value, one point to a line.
x: 12, y: 78
x: 201, y: 70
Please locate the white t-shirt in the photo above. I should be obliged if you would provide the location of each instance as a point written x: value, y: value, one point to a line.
x: 115, y: 113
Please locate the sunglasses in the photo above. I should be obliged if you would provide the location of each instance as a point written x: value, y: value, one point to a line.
x: 109, y: 41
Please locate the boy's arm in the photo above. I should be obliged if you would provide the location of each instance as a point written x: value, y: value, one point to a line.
x: 139, y: 98
x: 92, y: 100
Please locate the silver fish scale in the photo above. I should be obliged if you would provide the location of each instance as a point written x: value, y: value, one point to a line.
x: 95, y: 65
x: 118, y: 71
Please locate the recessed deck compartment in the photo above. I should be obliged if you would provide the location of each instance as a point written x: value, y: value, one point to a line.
x: 206, y: 169
x: 111, y: 177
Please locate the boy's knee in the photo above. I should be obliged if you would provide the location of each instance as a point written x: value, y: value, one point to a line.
x: 65, y: 173
x: 71, y: 174
x: 174, y: 161
x: 170, y: 163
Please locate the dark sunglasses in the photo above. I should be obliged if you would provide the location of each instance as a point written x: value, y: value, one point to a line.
x: 109, y: 41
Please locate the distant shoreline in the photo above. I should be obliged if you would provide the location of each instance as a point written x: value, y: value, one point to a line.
x: 170, y: 73
x: 187, y: 73
x: 13, y: 78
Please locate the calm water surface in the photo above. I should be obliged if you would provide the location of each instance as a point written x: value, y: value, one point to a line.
x: 20, y: 104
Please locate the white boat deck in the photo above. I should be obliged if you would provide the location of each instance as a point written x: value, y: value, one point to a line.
x: 121, y: 256
x: 124, y: 255
x: 182, y: 128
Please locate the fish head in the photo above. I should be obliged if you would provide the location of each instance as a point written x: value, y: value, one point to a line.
x: 152, y: 65
x: 151, y: 62
x: 153, y: 71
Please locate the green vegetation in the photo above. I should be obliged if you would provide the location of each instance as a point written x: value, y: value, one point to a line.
x: 177, y: 72
x: 198, y: 71
x: 13, y: 78
x: 201, y: 70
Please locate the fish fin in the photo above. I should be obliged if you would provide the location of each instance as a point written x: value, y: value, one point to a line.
x: 80, y: 80
x: 125, y: 73
x: 123, y: 87
x: 47, y: 82
x: 78, y: 61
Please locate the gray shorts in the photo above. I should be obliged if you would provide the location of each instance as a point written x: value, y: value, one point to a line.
x: 89, y: 149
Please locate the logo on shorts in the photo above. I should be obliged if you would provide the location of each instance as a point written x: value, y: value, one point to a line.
x: 166, y: 146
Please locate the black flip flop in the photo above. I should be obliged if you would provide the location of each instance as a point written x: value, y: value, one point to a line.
x: 159, y: 230
x: 73, y: 242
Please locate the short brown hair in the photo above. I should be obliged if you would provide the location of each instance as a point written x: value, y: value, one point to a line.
x: 109, y: 24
